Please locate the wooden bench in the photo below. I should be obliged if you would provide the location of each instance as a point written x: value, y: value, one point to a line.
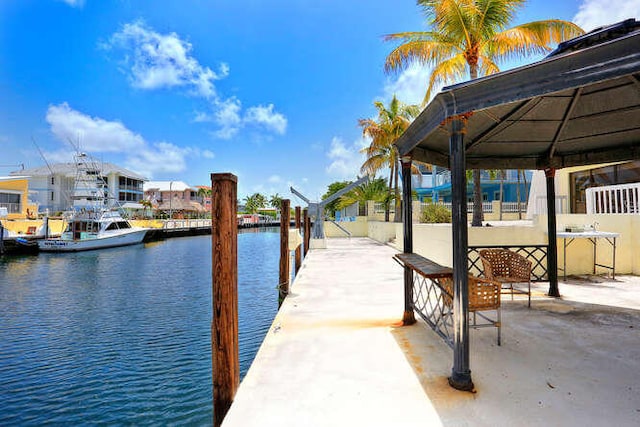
x: 484, y: 294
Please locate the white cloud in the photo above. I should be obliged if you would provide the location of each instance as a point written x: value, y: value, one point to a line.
x: 92, y: 133
x: 97, y: 135
x: 231, y: 118
x: 345, y: 160
x: 74, y: 3
x: 265, y: 116
x: 161, y: 157
x: 410, y: 85
x: 158, y: 61
x: 227, y: 116
x: 596, y: 13
x: 274, y: 179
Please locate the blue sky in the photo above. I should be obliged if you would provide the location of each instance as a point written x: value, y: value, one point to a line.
x: 174, y: 90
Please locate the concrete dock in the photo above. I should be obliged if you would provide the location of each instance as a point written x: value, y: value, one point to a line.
x: 337, y: 355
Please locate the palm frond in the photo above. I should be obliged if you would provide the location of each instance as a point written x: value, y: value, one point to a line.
x: 445, y: 72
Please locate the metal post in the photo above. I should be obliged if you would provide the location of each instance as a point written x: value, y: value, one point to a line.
x: 46, y: 227
x: 285, y: 219
x: 552, y: 253
x: 461, y: 374
x: 1, y: 239
x: 408, y: 318
x: 224, y: 263
x: 298, y: 249
x: 307, y: 230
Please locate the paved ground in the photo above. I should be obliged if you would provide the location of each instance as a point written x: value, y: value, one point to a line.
x: 337, y: 355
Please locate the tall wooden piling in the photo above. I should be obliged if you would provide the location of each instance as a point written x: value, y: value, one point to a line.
x: 298, y: 248
x: 285, y: 219
x: 307, y: 232
x: 224, y: 263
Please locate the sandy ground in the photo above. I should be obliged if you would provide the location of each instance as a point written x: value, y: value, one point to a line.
x: 337, y: 355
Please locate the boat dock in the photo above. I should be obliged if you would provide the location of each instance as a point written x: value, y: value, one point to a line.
x: 338, y: 355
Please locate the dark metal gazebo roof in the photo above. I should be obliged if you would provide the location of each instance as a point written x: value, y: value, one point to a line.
x: 571, y: 108
x: 579, y: 106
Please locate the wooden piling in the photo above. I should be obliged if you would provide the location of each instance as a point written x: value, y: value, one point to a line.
x: 224, y: 262
x: 307, y: 232
x: 298, y: 248
x: 285, y: 219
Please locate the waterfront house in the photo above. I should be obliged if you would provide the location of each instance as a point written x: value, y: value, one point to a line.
x: 55, y: 187
x: 173, y: 197
x: 14, y: 197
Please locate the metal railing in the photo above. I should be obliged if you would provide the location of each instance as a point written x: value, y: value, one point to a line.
x: 512, y: 207
x: 614, y: 199
x: 378, y: 208
x: 429, y: 303
x: 486, y: 206
x: 187, y: 223
x: 537, y: 254
x: 12, y: 208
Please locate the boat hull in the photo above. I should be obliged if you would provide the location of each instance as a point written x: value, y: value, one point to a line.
x: 132, y: 237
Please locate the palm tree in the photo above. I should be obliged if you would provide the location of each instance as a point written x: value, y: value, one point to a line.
x: 384, y: 131
x: 376, y: 189
x: 255, y: 202
x: 468, y: 38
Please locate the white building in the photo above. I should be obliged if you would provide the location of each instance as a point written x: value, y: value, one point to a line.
x: 62, y: 186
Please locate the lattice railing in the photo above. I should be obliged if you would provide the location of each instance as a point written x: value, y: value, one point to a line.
x: 429, y: 303
x: 537, y: 254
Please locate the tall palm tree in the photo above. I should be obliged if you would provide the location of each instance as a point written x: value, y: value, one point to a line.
x: 384, y: 131
x: 468, y: 38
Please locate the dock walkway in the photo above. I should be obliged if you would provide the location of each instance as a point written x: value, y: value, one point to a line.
x: 331, y: 357
x: 336, y: 355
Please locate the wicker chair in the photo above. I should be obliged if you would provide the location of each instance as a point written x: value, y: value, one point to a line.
x: 508, y: 268
x: 484, y: 295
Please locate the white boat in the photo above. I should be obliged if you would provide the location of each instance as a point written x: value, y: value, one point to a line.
x: 94, y: 230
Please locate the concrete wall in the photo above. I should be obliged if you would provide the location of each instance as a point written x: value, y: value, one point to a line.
x: 434, y: 241
x: 580, y: 251
x: 357, y: 228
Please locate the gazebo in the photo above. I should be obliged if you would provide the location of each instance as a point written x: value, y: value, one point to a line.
x: 578, y: 106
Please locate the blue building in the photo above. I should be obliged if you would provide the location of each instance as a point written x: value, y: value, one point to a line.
x: 435, y: 186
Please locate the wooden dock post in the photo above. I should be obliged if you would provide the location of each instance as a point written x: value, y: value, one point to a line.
x: 307, y: 231
x: 298, y: 249
x: 224, y: 262
x: 285, y: 219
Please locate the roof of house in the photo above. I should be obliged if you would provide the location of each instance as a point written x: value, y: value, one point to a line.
x: 575, y: 107
x: 166, y: 186
x: 70, y: 169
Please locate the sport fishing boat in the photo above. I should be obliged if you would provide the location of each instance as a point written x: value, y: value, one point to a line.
x: 94, y: 230
x: 94, y: 221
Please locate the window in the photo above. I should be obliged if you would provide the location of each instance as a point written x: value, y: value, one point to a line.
x: 53, y: 180
x: 496, y: 195
x: 11, y: 201
x: 52, y: 196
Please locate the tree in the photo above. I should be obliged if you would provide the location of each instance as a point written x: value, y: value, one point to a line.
x: 376, y: 189
x: 384, y: 132
x: 468, y: 38
x: 254, y: 202
x: 275, y: 202
x: 333, y: 188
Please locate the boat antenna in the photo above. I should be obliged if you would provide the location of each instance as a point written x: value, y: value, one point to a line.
x: 41, y: 155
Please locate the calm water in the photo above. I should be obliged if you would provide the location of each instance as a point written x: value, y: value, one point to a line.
x: 122, y: 336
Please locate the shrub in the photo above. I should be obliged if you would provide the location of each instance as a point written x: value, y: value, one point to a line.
x: 433, y: 213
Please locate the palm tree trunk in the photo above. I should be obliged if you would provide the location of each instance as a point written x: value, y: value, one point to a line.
x: 397, y: 217
x: 501, y: 191
x: 387, y: 204
x: 526, y: 188
x: 518, y: 196
x: 477, y: 200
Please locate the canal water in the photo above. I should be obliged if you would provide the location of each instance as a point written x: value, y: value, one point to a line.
x: 122, y: 336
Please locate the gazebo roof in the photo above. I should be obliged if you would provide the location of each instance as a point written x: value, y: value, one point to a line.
x: 575, y: 107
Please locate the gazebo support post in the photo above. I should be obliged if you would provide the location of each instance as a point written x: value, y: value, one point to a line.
x: 408, y: 318
x: 552, y: 255
x: 461, y: 374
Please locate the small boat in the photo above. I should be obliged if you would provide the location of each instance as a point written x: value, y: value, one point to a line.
x: 94, y: 230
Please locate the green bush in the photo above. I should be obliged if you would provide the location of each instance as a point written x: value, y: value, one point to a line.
x: 433, y: 213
